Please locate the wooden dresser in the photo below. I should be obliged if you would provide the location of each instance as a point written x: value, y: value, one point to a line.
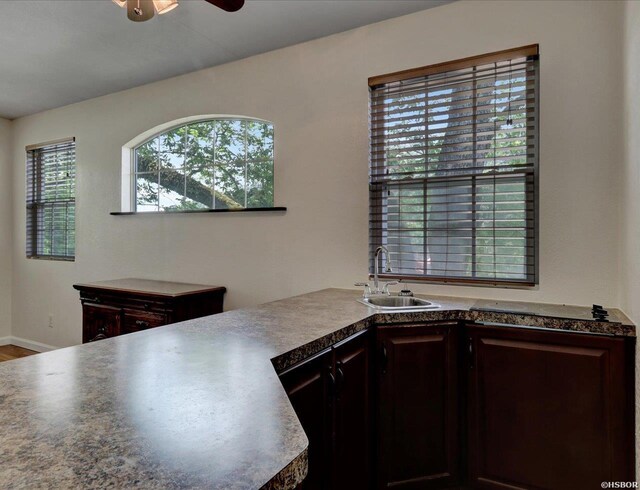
x: 111, y: 308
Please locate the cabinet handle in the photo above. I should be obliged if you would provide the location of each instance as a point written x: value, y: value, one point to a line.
x: 142, y: 323
x: 340, y: 378
x: 100, y: 336
x: 332, y: 383
x: 471, y: 356
x: 384, y: 359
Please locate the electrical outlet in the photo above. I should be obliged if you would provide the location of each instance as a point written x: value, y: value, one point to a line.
x: 50, y: 320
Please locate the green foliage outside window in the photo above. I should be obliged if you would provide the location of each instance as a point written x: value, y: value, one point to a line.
x: 503, y: 199
x: 214, y: 164
x: 453, y: 172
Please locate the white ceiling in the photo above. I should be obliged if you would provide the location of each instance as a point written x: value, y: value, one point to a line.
x: 57, y: 52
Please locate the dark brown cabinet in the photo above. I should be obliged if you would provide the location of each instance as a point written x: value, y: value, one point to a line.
x: 111, y: 308
x: 418, y: 406
x: 352, y: 449
x: 330, y: 393
x: 459, y: 405
x: 548, y: 410
x: 309, y: 388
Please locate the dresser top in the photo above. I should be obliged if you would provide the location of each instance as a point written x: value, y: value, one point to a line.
x: 147, y: 286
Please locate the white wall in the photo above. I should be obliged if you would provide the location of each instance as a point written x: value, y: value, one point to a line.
x: 6, y: 229
x: 630, y: 186
x: 316, y: 94
x: 630, y: 215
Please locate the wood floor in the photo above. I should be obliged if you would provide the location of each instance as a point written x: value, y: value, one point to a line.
x: 9, y: 352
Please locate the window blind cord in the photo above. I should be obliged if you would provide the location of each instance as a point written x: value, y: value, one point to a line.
x: 495, y: 183
x: 509, y: 118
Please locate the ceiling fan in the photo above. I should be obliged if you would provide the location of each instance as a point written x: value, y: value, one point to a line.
x: 141, y: 10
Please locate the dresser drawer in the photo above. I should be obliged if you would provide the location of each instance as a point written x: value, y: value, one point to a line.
x: 100, y: 322
x: 133, y: 302
x: 135, y: 320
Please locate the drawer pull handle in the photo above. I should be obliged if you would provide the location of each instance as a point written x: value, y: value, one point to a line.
x: 339, y: 378
x: 385, y: 359
x: 332, y: 384
x: 100, y: 336
x: 142, y: 323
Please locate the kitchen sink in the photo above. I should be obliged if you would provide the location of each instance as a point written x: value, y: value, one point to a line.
x: 398, y: 303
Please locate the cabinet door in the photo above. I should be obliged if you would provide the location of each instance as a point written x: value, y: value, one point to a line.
x: 308, y: 386
x: 548, y: 410
x: 352, y: 420
x: 100, y: 322
x: 418, y: 418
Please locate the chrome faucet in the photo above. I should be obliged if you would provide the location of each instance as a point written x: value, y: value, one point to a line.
x: 381, y: 249
x: 368, y: 290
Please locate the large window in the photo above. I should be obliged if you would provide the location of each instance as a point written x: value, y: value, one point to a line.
x: 51, y: 200
x: 213, y: 164
x: 453, y: 169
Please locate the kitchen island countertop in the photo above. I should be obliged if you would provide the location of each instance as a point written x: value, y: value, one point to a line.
x: 199, y: 404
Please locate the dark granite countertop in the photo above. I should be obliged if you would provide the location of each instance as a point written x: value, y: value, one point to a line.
x: 199, y: 404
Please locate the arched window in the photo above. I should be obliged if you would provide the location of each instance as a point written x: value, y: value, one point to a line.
x: 220, y: 163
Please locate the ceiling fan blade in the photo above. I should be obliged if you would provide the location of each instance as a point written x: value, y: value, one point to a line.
x: 228, y: 5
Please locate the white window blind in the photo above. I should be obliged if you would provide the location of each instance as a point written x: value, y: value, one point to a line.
x: 51, y: 203
x: 453, y: 169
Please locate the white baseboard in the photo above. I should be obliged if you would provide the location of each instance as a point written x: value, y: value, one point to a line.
x: 27, y: 344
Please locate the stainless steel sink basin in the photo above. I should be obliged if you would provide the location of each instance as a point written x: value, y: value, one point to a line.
x: 398, y: 303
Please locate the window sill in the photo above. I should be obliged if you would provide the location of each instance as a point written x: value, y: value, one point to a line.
x: 55, y: 258
x: 506, y: 284
x: 280, y: 209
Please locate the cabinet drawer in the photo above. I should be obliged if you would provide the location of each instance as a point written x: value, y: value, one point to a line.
x: 131, y: 302
x: 100, y: 322
x: 135, y: 320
